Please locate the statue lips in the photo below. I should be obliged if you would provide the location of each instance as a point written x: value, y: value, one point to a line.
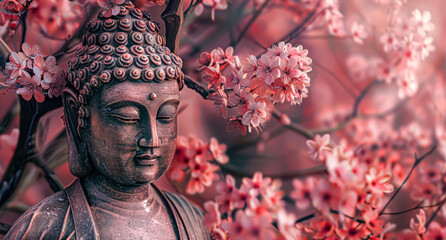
x: 146, y: 159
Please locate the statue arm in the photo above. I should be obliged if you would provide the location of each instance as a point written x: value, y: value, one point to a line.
x: 49, y: 219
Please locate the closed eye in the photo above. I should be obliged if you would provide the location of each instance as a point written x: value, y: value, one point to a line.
x: 166, y: 119
x: 125, y: 119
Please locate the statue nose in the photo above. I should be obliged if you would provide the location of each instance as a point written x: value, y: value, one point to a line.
x: 152, y: 142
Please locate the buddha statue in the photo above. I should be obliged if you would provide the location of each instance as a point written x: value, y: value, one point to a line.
x: 120, y: 105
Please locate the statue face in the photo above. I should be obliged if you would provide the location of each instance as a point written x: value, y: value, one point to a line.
x: 131, y: 136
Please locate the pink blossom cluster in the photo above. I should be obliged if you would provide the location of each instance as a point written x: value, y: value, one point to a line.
x: 359, y: 180
x: 110, y: 7
x: 197, y: 163
x: 406, y: 43
x: 13, y: 19
x: 418, y: 229
x: 245, y: 95
x: 350, y: 191
x: 32, y: 74
x: 348, y: 202
x: 327, y: 14
x: 56, y: 18
x: 248, y: 212
x: 213, y: 4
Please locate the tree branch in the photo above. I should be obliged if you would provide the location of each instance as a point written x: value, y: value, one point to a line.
x: 417, y: 161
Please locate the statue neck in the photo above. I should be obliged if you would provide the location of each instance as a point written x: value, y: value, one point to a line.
x: 99, y: 188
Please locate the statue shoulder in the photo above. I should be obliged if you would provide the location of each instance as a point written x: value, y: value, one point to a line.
x: 191, y: 214
x: 185, y: 204
x: 49, y: 219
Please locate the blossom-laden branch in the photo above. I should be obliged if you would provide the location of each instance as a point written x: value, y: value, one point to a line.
x: 346, y: 202
x: 247, y: 93
x: 197, y: 163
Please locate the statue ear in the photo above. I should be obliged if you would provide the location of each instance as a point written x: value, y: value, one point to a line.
x: 78, y: 162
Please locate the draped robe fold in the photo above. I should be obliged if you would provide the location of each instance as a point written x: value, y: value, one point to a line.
x: 66, y: 215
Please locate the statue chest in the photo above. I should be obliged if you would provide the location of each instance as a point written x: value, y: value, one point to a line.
x: 152, y: 223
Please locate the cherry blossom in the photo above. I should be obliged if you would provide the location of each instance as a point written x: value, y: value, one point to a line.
x: 389, y: 41
x: 56, y: 86
x: 418, y: 226
x: 378, y: 182
x: 436, y: 231
x: 215, y: 5
x: 319, y: 146
x: 302, y: 192
x: 58, y: 18
x: 256, y: 115
x: 220, y: 101
x: 235, y: 124
x: 422, y: 21
x: 218, y: 151
x: 46, y: 68
x: 358, y: 33
x: 31, y: 87
x: 352, y: 230
x: 427, y: 47
x: 16, y: 66
x: 214, y: 76
x: 30, y: 53
x: 111, y: 7
x: 194, y: 158
x: 268, y: 68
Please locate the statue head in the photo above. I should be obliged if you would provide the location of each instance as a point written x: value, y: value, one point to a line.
x: 121, y: 100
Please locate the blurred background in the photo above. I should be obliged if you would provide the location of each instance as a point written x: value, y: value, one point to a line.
x: 276, y: 151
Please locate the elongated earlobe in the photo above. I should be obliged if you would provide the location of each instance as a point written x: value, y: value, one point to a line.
x: 78, y: 161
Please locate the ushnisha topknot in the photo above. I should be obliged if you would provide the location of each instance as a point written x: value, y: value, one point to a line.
x: 118, y: 48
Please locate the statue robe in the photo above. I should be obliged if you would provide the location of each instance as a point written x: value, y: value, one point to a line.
x: 66, y: 215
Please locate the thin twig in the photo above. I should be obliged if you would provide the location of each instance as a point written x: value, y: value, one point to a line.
x: 307, y: 19
x: 305, y: 218
x: 435, y: 214
x: 417, y: 161
x: 248, y: 25
x: 415, y: 208
x: 194, y: 85
x: 335, y: 77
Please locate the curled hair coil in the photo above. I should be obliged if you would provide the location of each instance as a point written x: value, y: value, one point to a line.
x: 125, y: 25
x: 110, y: 25
x: 139, y: 26
x: 134, y: 74
x: 104, y: 39
x: 93, y: 49
x: 160, y: 75
x: 119, y: 74
x: 142, y: 61
x: 94, y: 82
x: 166, y: 59
x: 136, y: 13
x: 109, y: 62
x: 148, y: 75
x: 136, y: 50
x: 91, y: 39
x: 121, y: 38
x: 155, y: 60
x: 105, y: 77
x: 121, y: 49
x: 170, y: 73
x: 125, y: 60
x: 136, y: 38
x: 106, y: 49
